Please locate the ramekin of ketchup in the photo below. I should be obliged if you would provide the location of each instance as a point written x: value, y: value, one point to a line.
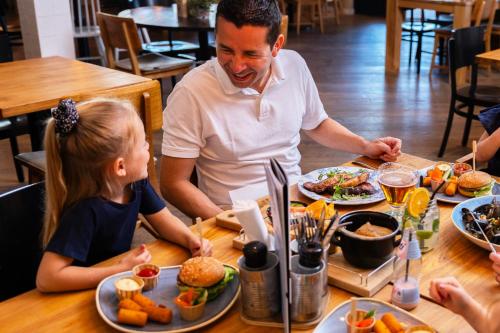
x: 149, y: 273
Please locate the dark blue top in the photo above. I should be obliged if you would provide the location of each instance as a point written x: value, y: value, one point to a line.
x: 490, y: 118
x: 96, y: 229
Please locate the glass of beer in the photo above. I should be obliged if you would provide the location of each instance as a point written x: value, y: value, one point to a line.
x: 397, y: 181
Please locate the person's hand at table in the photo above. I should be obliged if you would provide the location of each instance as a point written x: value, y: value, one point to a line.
x: 139, y: 255
x: 387, y: 149
x: 448, y: 292
x: 495, y: 257
x: 197, y: 249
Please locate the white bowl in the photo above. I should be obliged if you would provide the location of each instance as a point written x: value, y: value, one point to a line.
x: 471, y: 204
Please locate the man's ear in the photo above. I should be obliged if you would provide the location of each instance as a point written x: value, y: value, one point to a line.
x: 278, y: 45
x: 119, y: 167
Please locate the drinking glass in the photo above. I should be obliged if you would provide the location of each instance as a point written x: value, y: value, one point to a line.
x: 397, y: 181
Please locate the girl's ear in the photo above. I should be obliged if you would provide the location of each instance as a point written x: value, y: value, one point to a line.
x: 119, y: 167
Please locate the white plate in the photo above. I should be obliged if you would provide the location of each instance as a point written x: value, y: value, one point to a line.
x: 164, y: 293
x: 334, y: 322
x: 457, y: 198
x: 313, y: 177
x: 472, y: 204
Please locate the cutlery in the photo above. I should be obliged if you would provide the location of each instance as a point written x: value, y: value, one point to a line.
x: 467, y: 210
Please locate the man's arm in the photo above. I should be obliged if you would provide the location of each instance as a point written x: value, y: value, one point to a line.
x: 180, y: 192
x: 333, y: 135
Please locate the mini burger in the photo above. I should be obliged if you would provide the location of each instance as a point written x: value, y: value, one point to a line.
x: 475, y: 184
x: 204, y: 273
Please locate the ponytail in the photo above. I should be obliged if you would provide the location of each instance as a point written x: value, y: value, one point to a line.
x: 55, y: 186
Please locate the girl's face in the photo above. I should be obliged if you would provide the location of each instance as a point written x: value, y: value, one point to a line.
x: 137, y: 161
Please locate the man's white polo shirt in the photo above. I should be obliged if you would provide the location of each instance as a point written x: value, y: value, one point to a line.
x: 232, y: 132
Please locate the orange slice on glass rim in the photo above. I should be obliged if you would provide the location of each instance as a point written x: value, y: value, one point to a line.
x: 418, y: 201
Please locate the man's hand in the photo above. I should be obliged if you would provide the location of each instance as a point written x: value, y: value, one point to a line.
x: 387, y: 149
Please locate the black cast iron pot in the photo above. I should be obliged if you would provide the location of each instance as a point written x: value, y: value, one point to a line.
x: 367, y: 252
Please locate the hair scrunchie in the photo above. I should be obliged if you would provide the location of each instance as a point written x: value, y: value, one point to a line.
x: 65, y: 116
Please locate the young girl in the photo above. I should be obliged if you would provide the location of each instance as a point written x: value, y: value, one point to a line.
x: 449, y: 292
x: 96, y: 185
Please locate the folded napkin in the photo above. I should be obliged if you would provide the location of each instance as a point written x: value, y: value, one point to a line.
x: 250, y: 217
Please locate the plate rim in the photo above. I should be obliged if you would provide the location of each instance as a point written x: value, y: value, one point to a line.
x: 468, y: 236
x: 339, y: 202
x: 186, y: 329
x: 371, y: 299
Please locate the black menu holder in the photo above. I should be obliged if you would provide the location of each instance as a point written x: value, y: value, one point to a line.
x: 277, y: 183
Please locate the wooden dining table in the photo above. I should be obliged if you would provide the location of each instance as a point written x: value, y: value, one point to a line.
x: 489, y: 58
x: 461, y: 10
x: 166, y: 18
x: 33, y: 85
x: 454, y: 255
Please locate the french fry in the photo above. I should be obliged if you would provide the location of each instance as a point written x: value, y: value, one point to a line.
x: 392, y: 323
x: 143, y: 300
x: 129, y: 304
x: 451, y: 189
x: 427, y: 181
x: 132, y: 317
x: 159, y: 313
x: 380, y: 327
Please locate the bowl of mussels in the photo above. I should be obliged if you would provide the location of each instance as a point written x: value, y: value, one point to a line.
x: 486, y: 213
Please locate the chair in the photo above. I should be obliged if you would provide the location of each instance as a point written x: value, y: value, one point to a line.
x: 145, y: 98
x: 465, y: 44
x: 167, y: 47
x: 83, y: 16
x: 418, y: 27
x: 20, y: 246
x: 335, y: 8
x: 121, y: 32
x: 12, y: 127
x: 491, y: 28
x: 313, y: 5
x: 442, y: 34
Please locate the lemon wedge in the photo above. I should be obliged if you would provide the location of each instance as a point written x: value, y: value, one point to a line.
x: 418, y: 201
x: 316, y: 207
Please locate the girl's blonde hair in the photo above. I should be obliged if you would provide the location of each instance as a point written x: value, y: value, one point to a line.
x: 79, y: 163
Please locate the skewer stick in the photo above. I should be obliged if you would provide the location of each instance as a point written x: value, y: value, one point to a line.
x: 474, y: 151
x: 200, y: 232
x: 354, y: 318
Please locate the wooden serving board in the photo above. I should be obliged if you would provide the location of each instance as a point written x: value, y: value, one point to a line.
x: 228, y: 220
x: 360, y: 281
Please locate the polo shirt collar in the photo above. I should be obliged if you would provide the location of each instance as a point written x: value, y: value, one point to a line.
x: 277, y: 74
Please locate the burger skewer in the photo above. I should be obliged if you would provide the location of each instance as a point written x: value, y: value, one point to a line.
x: 474, y: 151
x: 200, y: 232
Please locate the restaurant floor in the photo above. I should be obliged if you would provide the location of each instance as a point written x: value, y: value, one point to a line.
x: 347, y: 63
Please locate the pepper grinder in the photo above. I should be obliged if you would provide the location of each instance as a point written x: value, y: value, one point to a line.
x: 260, y: 287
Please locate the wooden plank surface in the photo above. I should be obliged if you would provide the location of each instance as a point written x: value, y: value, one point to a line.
x: 38, y: 84
x: 489, y: 58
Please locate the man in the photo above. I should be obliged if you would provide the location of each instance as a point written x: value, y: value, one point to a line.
x: 232, y: 114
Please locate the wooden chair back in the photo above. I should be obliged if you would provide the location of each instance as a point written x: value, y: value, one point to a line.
x: 284, y: 27
x: 83, y: 13
x: 477, y: 12
x: 21, y: 224
x: 120, y: 33
x: 146, y: 98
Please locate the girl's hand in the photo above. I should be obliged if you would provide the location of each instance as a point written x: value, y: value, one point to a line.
x: 137, y: 256
x: 448, y: 292
x: 195, y: 247
x: 495, y: 257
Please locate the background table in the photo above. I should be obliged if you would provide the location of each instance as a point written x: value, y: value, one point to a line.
x: 158, y: 17
x: 461, y: 10
x: 76, y: 311
x: 489, y: 58
x: 33, y: 85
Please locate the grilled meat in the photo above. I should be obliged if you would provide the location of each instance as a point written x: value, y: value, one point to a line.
x: 342, y: 179
x: 363, y: 188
